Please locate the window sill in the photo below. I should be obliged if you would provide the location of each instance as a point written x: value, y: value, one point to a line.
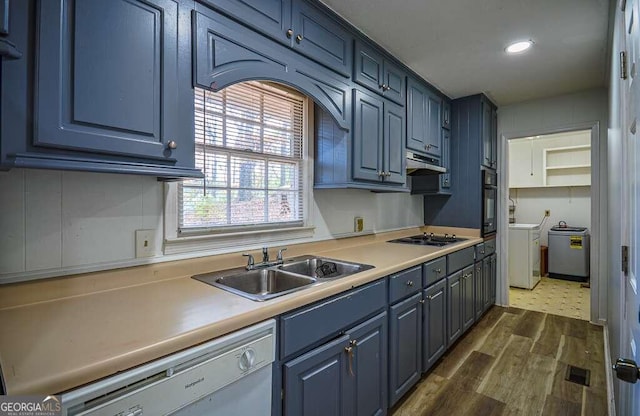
x: 224, y: 243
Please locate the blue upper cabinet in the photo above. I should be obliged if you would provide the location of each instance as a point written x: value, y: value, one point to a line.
x: 424, y: 112
x: 446, y: 114
x: 271, y: 17
x: 321, y: 37
x: 112, y: 90
x: 489, y: 135
x: 298, y: 24
x: 372, y: 70
x: 378, y: 140
x: 8, y: 49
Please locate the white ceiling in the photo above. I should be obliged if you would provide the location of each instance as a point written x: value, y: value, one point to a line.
x: 458, y: 45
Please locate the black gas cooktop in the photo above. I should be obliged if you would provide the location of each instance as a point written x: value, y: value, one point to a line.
x: 429, y: 240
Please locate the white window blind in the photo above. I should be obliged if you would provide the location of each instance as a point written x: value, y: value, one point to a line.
x: 249, y: 146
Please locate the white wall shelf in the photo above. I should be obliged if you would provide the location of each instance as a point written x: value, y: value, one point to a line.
x: 567, y: 166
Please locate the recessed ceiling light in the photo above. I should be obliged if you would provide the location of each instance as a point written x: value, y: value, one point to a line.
x: 518, y: 47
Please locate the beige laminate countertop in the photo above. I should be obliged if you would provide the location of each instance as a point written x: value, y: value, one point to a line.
x: 58, y: 334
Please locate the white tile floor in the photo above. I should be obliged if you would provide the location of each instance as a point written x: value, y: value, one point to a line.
x: 554, y: 296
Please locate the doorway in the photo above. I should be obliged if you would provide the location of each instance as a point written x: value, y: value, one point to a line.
x: 550, y: 182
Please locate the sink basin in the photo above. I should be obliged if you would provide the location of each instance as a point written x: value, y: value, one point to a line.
x: 323, y: 268
x: 295, y: 274
x: 261, y: 284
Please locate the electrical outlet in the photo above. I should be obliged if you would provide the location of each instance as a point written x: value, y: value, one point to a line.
x: 358, y: 224
x: 547, y: 212
x: 145, y: 243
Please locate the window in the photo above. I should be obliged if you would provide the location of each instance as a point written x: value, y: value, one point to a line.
x: 249, y: 146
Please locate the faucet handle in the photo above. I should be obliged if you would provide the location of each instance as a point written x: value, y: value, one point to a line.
x: 265, y: 254
x: 279, y: 258
x: 250, y: 261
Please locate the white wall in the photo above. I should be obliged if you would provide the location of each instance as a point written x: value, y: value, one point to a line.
x: 548, y: 115
x: 54, y: 222
x: 569, y: 204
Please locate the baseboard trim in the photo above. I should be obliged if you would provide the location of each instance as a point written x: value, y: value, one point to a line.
x: 608, y: 372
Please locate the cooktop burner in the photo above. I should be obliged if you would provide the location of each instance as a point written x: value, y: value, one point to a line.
x: 429, y: 240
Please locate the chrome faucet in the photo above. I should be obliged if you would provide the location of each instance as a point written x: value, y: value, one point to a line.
x: 251, y: 264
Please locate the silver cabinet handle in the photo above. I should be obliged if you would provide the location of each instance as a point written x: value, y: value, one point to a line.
x: 172, y: 144
x: 299, y: 38
x: 410, y: 283
x: 289, y: 33
x: 438, y: 271
x: 422, y: 301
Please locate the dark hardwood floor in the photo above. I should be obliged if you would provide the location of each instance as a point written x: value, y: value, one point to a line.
x: 513, y: 362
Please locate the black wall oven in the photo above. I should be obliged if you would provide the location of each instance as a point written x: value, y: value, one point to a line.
x: 489, y: 202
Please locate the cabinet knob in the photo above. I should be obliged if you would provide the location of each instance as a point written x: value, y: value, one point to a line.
x: 422, y: 301
x: 385, y: 87
x: 299, y: 38
x: 387, y: 174
x: 380, y: 173
x: 289, y: 33
x: 437, y: 270
x: 172, y: 145
x: 410, y: 283
x: 446, y: 181
x: 427, y: 146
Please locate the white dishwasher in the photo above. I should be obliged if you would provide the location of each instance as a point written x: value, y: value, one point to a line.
x: 524, y: 255
x: 230, y: 375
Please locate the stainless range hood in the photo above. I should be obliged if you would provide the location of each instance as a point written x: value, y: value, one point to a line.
x: 419, y: 165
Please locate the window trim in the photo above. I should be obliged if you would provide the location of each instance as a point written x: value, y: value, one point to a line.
x: 176, y: 242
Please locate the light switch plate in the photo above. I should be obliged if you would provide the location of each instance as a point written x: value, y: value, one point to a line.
x: 145, y: 243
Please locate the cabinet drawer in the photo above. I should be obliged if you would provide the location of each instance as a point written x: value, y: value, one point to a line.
x: 480, y: 251
x: 405, y: 283
x: 309, y: 325
x: 460, y: 259
x: 490, y: 246
x: 434, y: 271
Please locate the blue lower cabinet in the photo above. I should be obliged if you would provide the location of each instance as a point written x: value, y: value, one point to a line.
x: 486, y: 282
x: 405, y: 346
x: 346, y: 376
x: 468, y: 297
x: 492, y: 280
x: 368, y: 374
x: 454, y: 306
x: 479, y: 289
x: 434, y: 323
x: 315, y: 383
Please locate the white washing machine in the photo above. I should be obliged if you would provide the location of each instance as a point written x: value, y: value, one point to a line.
x: 524, y: 255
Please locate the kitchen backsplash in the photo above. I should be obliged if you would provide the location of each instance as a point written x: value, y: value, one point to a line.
x: 55, y: 222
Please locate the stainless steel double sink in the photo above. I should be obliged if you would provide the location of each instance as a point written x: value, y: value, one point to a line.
x: 292, y: 275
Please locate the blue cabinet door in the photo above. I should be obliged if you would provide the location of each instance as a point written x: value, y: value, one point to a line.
x: 393, y: 81
x: 486, y: 128
x: 405, y: 346
x: 479, y: 289
x: 434, y: 329
x: 368, y: 134
x: 454, y: 306
x: 321, y: 38
x: 446, y: 114
x: 493, y: 280
x: 468, y: 299
x: 368, y: 66
x: 416, y: 111
x: 394, y: 163
x: 434, y: 124
x: 445, y: 178
x: 369, y: 367
x: 271, y: 17
x: 314, y: 383
x: 107, y: 79
x: 486, y: 282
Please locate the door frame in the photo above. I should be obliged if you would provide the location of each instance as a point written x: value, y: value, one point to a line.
x: 596, y: 214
